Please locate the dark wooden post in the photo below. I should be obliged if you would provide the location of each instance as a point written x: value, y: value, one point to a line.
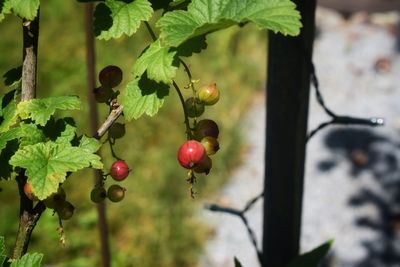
x: 288, y: 89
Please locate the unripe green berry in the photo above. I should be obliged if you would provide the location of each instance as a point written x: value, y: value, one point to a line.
x: 65, y: 210
x: 116, y: 193
x: 208, y: 94
x: 98, y: 194
x: 194, y: 107
x: 210, y: 144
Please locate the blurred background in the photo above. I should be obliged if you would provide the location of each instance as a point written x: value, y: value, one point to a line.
x: 352, y: 179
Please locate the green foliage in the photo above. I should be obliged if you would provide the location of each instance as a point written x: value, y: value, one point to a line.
x: 138, y: 101
x: 25, y: 8
x: 2, y: 251
x: 312, y: 258
x: 12, y: 76
x: 5, y: 8
x: 40, y: 110
x: 113, y: 18
x: 8, y: 111
x: 28, y: 260
x: 205, y: 16
x: 158, y: 61
x: 47, y: 164
x: 237, y: 263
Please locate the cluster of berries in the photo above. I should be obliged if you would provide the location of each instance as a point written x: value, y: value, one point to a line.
x: 203, y: 142
x: 56, y: 201
x: 119, y: 171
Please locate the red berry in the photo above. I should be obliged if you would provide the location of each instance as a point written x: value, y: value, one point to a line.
x: 208, y: 94
x: 119, y: 170
x: 116, y: 193
x: 110, y: 76
x: 204, y: 166
x: 194, y: 107
x: 206, y: 127
x: 210, y: 144
x: 190, y: 154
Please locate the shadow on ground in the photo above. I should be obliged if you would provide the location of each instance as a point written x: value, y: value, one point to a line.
x: 379, y: 155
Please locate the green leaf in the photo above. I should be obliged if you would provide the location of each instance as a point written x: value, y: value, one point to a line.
x: 25, y: 8
x: 90, y: 145
x: 40, y: 110
x: 5, y: 8
x: 205, y: 16
x: 158, y: 62
x: 6, y: 169
x: 11, y: 134
x: 191, y: 46
x: 8, y: 111
x: 47, y: 164
x: 114, y: 18
x: 28, y: 260
x: 13, y: 76
x: 2, y: 250
x: 237, y: 263
x: 143, y: 96
x: 30, y: 134
x: 312, y: 258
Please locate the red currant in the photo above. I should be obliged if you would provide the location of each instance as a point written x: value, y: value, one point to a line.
x: 119, y: 170
x: 210, y: 144
x: 191, y: 153
x: 194, y: 107
x: 208, y: 94
x: 116, y: 193
x: 110, y: 76
x: 206, y: 127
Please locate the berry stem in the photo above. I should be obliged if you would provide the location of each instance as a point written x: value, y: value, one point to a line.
x: 188, y: 132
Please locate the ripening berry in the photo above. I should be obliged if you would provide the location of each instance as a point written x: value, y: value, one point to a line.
x: 190, y: 154
x: 119, y: 170
x: 110, y: 76
x: 208, y: 94
x: 98, y: 194
x: 210, y: 144
x: 204, y: 166
x: 65, y: 210
x: 102, y: 94
x: 194, y: 107
x: 55, y: 199
x: 117, y: 130
x: 28, y: 191
x: 116, y: 193
x: 206, y: 127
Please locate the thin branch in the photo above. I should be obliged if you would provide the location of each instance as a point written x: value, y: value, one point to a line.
x: 112, y: 117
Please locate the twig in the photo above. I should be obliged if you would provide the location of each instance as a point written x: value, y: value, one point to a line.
x: 28, y: 214
x: 112, y: 117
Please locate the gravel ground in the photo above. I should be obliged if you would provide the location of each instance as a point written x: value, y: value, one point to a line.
x: 352, y: 179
